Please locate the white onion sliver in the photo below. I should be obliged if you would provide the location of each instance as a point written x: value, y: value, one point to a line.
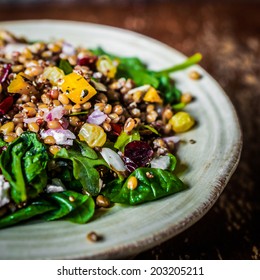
x: 96, y: 117
x: 68, y: 49
x: 161, y: 162
x: 31, y: 120
x: 174, y: 139
x: 61, y: 136
x: 113, y: 159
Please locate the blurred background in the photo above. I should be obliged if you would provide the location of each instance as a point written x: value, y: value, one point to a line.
x: 227, y: 33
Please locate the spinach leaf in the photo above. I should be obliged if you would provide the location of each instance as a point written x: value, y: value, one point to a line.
x: 83, y: 169
x: 86, y: 151
x: 71, y: 206
x: 2, y: 143
x: 23, y: 164
x: 34, y: 209
x: 161, y: 184
x: 65, y: 66
x: 133, y: 68
x: 124, y: 138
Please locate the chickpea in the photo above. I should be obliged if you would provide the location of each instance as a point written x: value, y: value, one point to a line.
x: 132, y: 183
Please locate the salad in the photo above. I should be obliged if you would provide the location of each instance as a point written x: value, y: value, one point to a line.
x: 82, y: 129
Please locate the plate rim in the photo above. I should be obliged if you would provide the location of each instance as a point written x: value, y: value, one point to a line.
x: 221, y: 181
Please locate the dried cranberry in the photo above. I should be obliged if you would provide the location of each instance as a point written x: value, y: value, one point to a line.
x: 130, y: 165
x: 87, y: 61
x: 139, y: 152
x: 6, y: 105
x: 116, y: 128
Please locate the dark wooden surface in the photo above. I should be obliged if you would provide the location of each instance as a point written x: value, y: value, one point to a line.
x: 228, y: 36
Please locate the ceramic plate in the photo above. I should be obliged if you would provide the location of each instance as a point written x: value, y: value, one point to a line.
x: 129, y: 230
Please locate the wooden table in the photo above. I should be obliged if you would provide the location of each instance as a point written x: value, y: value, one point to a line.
x: 228, y: 36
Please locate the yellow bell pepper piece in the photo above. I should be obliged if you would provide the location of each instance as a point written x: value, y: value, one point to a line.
x: 181, y: 122
x: 152, y: 96
x: 77, y: 89
x: 20, y: 85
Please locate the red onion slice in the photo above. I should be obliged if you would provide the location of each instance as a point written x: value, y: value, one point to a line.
x: 97, y: 117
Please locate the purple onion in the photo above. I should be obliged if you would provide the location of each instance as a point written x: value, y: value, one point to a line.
x: 96, y: 117
x: 5, y: 72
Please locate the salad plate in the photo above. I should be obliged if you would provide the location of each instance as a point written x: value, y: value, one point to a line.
x: 210, y: 152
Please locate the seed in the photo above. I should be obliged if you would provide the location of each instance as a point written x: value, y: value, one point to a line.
x: 42, y: 106
x: 53, y: 125
x: 46, y: 54
x: 101, y: 97
x: 93, y: 236
x: 186, y: 98
x: 192, y: 141
x: 167, y: 128
x: 107, y: 109
x: 25, y: 98
x: 195, y: 75
x: 56, y: 103
x: 18, y: 118
x: 34, y: 127
x: 72, y: 60
x: 54, y: 149
x: 86, y: 106
x: 34, y: 71
x: 45, y: 99
x: 74, y: 121
x: 9, y: 138
x: 99, y: 106
x: 107, y: 126
x: 158, y: 143
x: 67, y: 109
x: 118, y: 109
x: 54, y: 93
x: 132, y: 183
x: 71, y: 198
x: 54, y: 47
x: 149, y: 108
x: 7, y: 128
x: 17, y: 68
x: 102, y: 201
x: 151, y: 117
x: 30, y: 111
x: 136, y: 112
x: 149, y: 175
x: 170, y: 145
x: 30, y: 104
x: 49, y: 140
x: 18, y: 130
x: 76, y: 108
x: 167, y: 114
x: 63, y: 99
x: 113, y: 116
x: 129, y: 125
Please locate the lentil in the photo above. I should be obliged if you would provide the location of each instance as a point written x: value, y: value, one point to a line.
x: 34, y: 127
x: 54, y: 149
x: 129, y: 125
x: 195, y: 75
x: 49, y: 140
x: 53, y: 125
x: 93, y: 237
x: 102, y: 201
